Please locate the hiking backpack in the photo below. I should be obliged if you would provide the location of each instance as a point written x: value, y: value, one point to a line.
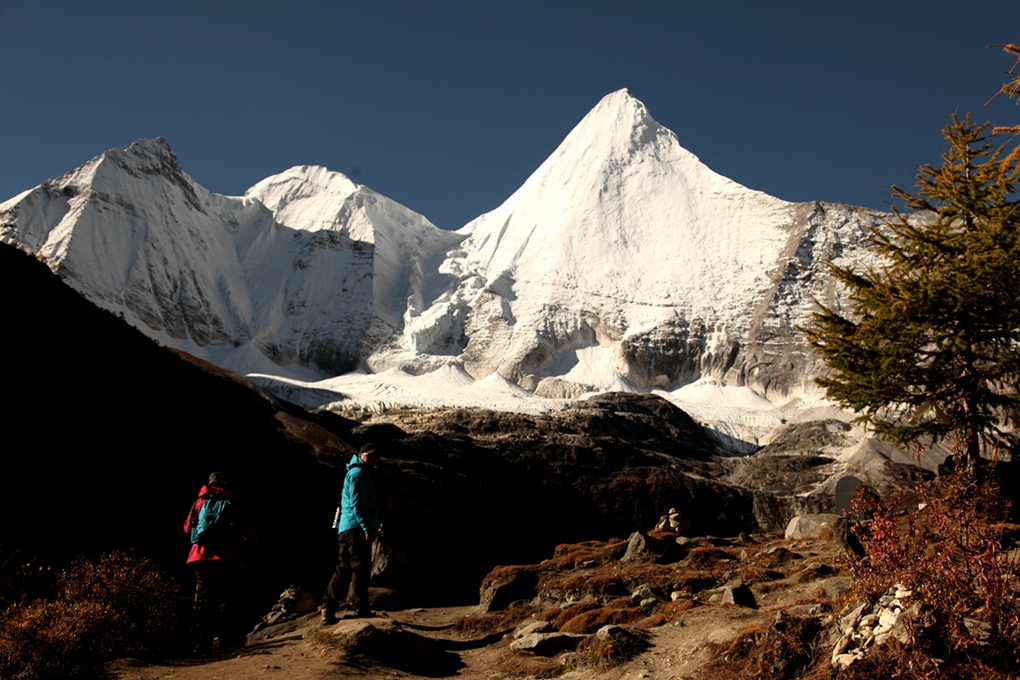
x: 216, y: 529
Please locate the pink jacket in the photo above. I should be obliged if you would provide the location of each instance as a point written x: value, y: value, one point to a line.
x: 200, y: 553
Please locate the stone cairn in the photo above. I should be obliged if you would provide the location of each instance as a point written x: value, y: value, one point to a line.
x: 673, y: 521
x: 863, y: 625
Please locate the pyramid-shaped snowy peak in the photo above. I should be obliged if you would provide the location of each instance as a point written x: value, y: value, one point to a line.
x: 621, y: 209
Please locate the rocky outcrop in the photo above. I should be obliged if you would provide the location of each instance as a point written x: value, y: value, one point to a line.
x: 810, y: 526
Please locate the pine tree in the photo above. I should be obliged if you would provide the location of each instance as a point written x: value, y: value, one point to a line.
x: 932, y: 346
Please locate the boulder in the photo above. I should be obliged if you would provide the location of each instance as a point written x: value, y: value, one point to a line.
x: 505, y: 585
x: 546, y: 644
x: 809, y: 526
x: 384, y: 641
x: 739, y: 595
x: 638, y: 544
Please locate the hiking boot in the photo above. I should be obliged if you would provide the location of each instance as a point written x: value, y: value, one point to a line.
x: 225, y: 642
x: 328, y: 617
x: 202, y: 648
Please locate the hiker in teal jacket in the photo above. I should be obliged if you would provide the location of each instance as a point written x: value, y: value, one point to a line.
x: 357, y: 529
x: 358, y: 506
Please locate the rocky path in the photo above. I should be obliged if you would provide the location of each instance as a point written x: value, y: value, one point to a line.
x: 304, y: 654
x: 460, y: 642
x: 678, y: 651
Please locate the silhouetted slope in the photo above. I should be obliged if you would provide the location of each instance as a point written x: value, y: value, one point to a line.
x: 110, y: 436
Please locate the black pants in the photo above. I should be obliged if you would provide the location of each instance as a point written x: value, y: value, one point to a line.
x: 353, y: 571
x: 216, y: 586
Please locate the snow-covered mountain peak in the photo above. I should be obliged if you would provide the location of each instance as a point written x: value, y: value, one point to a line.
x: 621, y: 210
x: 302, y: 182
x: 623, y: 262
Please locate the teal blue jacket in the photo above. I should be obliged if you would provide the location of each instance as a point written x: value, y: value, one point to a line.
x: 358, y: 506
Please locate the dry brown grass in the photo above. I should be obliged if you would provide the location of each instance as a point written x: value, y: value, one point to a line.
x: 780, y: 650
x: 753, y: 573
x: 611, y: 651
x: 102, y: 607
x: 590, y: 621
x: 471, y: 626
x: 704, y: 558
x: 574, y: 610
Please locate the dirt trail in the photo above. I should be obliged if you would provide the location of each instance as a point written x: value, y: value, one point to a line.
x: 426, y: 643
x: 297, y: 655
x: 679, y: 651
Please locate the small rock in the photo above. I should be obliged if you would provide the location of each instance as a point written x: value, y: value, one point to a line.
x: 739, y: 595
x: 837, y: 586
x: 721, y: 635
x: 856, y: 604
x: 982, y: 630
x: 843, y: 661
x: 606, y: 632
x: 532, y: 627
x: 849, y: 621
x: 841, y: 644
x: 644, y: 591
x: 888, y: 619
x: 505, y: 586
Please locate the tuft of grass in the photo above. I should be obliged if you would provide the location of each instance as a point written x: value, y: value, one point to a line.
x: 590, y: 621
x: 492, y: 622
x: 780, y: 650
x: 703, y: 558
x: 611, y: 650
x: 574, y: 610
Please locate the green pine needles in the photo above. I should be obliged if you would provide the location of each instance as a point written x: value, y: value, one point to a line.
x: 932, y: 346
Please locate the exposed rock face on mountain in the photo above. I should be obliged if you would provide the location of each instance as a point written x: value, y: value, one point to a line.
x: 622, y: 263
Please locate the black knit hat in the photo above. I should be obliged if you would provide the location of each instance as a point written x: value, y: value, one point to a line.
x: 219, y: 478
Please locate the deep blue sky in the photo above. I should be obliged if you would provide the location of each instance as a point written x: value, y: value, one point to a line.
x: 447, y: 107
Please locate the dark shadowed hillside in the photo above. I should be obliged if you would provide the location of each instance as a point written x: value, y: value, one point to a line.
x: 110, y: 437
